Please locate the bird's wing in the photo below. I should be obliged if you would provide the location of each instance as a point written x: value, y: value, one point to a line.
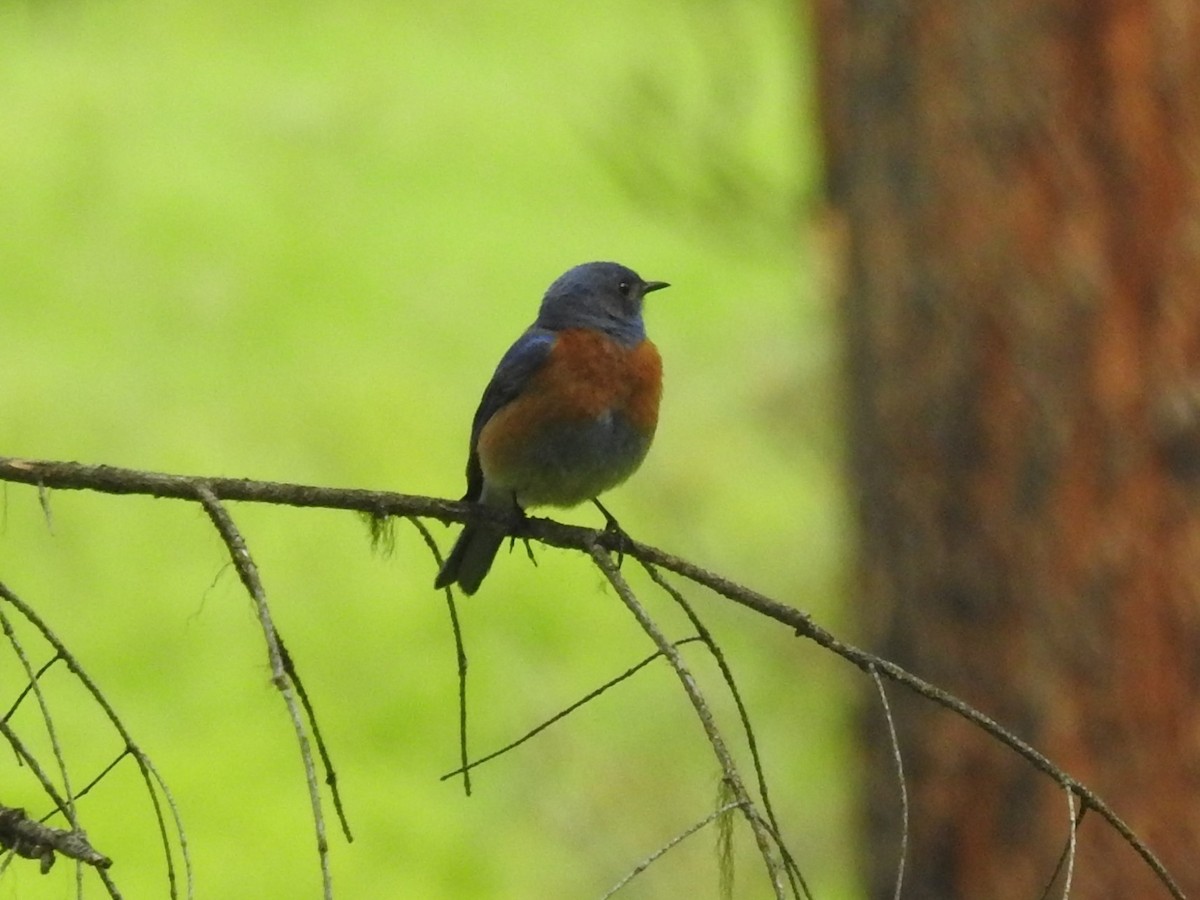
x: 516, y: 367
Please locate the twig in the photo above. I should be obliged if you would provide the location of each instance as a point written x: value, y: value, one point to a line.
x: 153, y: 781
x: 33, y: 840
x: 248, y: 572
x: 899, y: 760
x: 673, y: 842
x: 725, y: 858
x: 1072, y: 824
x: 28, y: 689
x: 805, y: 627
x: 762, y: 835
x: 30, y: 760
x: 67, y: 807
x: 331, y: 779
x: 108, y: 479
x: 24, y: 754
x: 35, y: 683
x: 114, y: 480
x: 103, y: 773
x: 1066, y: 859
x: 460, y: 653
x: 562, y: 714
x: 44, y: 501
x: 795, y: 876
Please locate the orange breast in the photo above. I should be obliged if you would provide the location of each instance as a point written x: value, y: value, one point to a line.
x: 610, y: 392
x: 589, y: 374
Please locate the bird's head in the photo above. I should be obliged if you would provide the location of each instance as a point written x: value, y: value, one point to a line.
x: 602, y: 295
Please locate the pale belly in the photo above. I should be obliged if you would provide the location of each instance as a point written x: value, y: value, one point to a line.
x: 568, y: 464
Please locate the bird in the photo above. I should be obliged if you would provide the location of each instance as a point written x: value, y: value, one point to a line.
x: 569, y: 413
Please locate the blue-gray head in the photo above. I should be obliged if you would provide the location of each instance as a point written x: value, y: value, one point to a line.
x: 601, y: 295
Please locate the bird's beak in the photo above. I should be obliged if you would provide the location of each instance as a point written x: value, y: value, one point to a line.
x: 654, y: 286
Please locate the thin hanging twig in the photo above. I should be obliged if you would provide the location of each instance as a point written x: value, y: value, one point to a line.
x: 795, y: 876
x: 762, y: 835
x: 248, y: 572
x: 562, y: 714
x: 460, y: 653
x: 672, y: 843
x: 899, y: 761
x: 153, y: 781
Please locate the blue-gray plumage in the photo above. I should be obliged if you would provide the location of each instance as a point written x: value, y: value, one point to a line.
x: 569, y: 413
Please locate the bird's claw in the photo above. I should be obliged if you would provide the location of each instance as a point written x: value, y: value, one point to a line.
x: 613, y: 528
x: 519, y: 520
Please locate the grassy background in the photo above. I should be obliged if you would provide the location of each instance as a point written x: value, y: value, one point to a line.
x: 291, y: 242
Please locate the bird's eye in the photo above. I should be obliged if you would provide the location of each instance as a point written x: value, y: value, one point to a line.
x: 624, y: 287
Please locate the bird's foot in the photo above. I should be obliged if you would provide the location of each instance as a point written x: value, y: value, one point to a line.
x: 519, y: 520
x: 612, y: 527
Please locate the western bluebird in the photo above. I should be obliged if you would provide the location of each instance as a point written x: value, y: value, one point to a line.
x: 569, y: 413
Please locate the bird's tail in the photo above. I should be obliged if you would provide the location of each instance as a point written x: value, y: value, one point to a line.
x: 471, y: 557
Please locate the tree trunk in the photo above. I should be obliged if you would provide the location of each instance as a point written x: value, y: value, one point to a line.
x: 1020, y: 187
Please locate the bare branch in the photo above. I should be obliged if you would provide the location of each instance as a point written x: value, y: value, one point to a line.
x: 795, y: 876
x: 673, y: 842
x: 73, y: 476
x: 33, y: 840
x: 28, y: 689
x: 460, y: 652
x: 44, y: 501
x: 248, y: 572
x: 331, y: 779
x: 804, y: 626
x: 153, y: 781
x: 1072, y: 826
x: 562, y: 714
x: 26, y: 756
x: 35, y: 684
x: 113, y: 480
x: 1066, y: 859
x: 762, y: 835
x: 899, y: 760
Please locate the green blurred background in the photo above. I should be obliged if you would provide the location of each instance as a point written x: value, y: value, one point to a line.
x: 290, y: 242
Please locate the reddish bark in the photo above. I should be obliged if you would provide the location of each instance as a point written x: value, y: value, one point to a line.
x: 1020, y: 183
